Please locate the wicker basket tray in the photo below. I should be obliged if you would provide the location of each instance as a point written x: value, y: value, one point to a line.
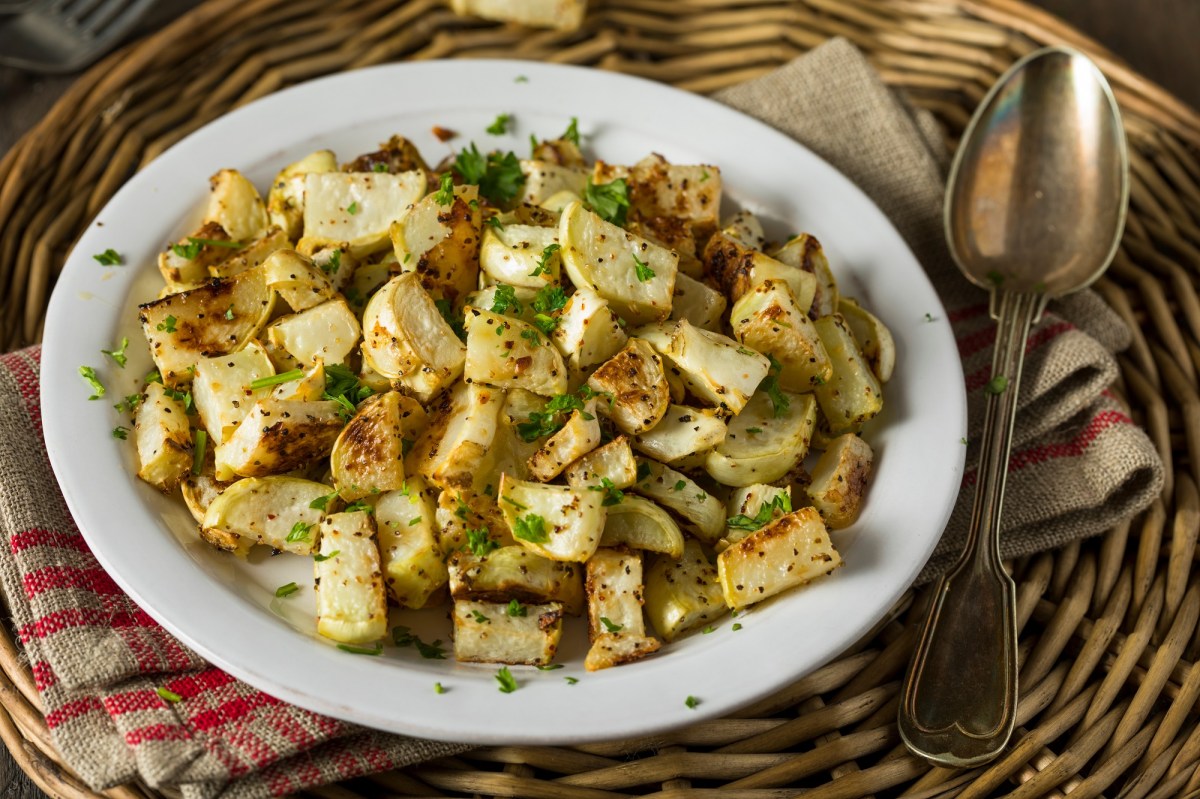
x: 1109, y: 629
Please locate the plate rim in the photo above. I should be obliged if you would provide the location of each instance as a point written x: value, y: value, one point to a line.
x: 82, y: 510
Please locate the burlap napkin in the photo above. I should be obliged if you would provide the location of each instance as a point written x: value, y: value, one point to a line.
x: 123, y: 699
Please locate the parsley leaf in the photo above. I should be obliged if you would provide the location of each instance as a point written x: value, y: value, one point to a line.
x: 120, y: 432
x: 445, y: 194
x: 456, y: 323
x: 504, y: 299
x: 571, y: 134
x: 531, y: 528
x: 500, y: 126
x: 167, y: 695
x: 167, y: 324
x: 550, y: 298
x: 679, y: 485
x: 480, y: 542
x: 515, y: 609
x: 319, y: 558
x: 321, y: 503
x: 229, y: 313
x: 438, y: 689
x: 274, y: 380
x: 533, y: 337
x: 543, y: 265
x: 551, y: 418
x: 199, y: 451
x: 344, y: 387
x: 612, y: 494
x: 609, y: 200
x: 691, y: 702
x: 89, y: 374
x: 508, y: 683
x: 286, y: 590
x: 109, y: 257
x: 194, y: 245
x: 480, y: 618
x: 129, y: 404
x: 352, y: 208
x: 499, y: 177
x: 333, y: 263
x: 770, y: 384
x: 118, y: 355
x: 299, y: 532
x: 764, y: 515
x: 644, y: 272
x: 404, y: 637
x: 610, y: 625
x: 571, y: 680
x: 358, y: 506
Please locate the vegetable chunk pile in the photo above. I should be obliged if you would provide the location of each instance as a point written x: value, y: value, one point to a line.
x: 528, y: 389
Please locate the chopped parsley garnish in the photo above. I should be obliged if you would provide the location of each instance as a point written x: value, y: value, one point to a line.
x: 737, y: 625
x: 997, y: 385
x: 321, y: 503
x: 438, y: 689
x: 963, y: 441
x: 184, y: 397
x: 274, y: 380
x: 508, y: 683
x: 167, y: 695
x: 463, y: 508
x: 480, y: 542
x: 118, y: 355
x: 379, y: 167
x: 344, y: 387
x: 571, y: 680
x: 612, y: 494
x: 704, y: 175
x: 544, y: 262
x: 406, y: 445
x: 533, y: 337
x: 89, y: 374
x: 358, y: 506
x: 520, y: 79
x: 643, y: 271
x: 120, y: 432
x: 499, y: 177
x: 550, y: 298
x: 643, y: 471
x: 199, y: 451
x: 319, y: 558
x: 404, y: 637
x: 229, y: 313
x: 708, y: 629
x: 929, y: 317
x: 167, y: 324
x: 456, y: 323
x: 770, y: 384
x: 515, y: 608
x: 550, y: 667
x: 480, y: 618
x: 505, y: 298
x: 299, y: 532
x: 754, y: 430
x: 190, y: 250
x: 531, y: 528
x: 361, y: 650
x: 609, y: 200
x: 610, y: 625
x: 154, y: 377
x: 764, y: 515
x: 414, y: 521
x: 499, y: 126
x: 445, y: 194
x: 691, y: 702
x: 494, y: 221
x: 334, y: 263
x: 109, y: 257
x: 129, y: 404
x: 545, y: 323
x: 551, y: 418
x: 679, y: 485
x: 571, y: 134
x: 286, y: 590
x: 352, y: 208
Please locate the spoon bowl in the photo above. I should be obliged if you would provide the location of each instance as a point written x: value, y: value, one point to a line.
x: 1035, y: 208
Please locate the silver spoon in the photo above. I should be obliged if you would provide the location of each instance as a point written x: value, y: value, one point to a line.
x: 1035, y: 207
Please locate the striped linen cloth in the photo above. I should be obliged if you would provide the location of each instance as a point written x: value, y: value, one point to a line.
x: 1079, y: 467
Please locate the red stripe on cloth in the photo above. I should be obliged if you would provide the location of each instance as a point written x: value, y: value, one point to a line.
x: 133, y: 702
x: 37, y: 537
x: 157, y: 732
x: 50, y: 578
x: 24, y: 365
x: 44, y: 677
x: 210, y: 679
x: 1071, y: 448
x: 980, y: 377
x: 231, y: 711
x: 73, y: 710
x: 82, y: 617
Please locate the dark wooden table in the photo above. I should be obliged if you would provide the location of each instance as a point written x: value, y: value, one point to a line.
x: 1156, y: 37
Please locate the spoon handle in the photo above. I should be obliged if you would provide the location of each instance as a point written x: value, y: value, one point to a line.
x: 959, y: 699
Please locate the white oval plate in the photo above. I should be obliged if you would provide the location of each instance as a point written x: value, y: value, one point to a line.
x: 226, y: 609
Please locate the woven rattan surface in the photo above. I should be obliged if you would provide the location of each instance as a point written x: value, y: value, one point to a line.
x: 1110, y: 628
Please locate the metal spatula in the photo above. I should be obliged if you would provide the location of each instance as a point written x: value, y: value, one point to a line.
x: 56, y: 36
